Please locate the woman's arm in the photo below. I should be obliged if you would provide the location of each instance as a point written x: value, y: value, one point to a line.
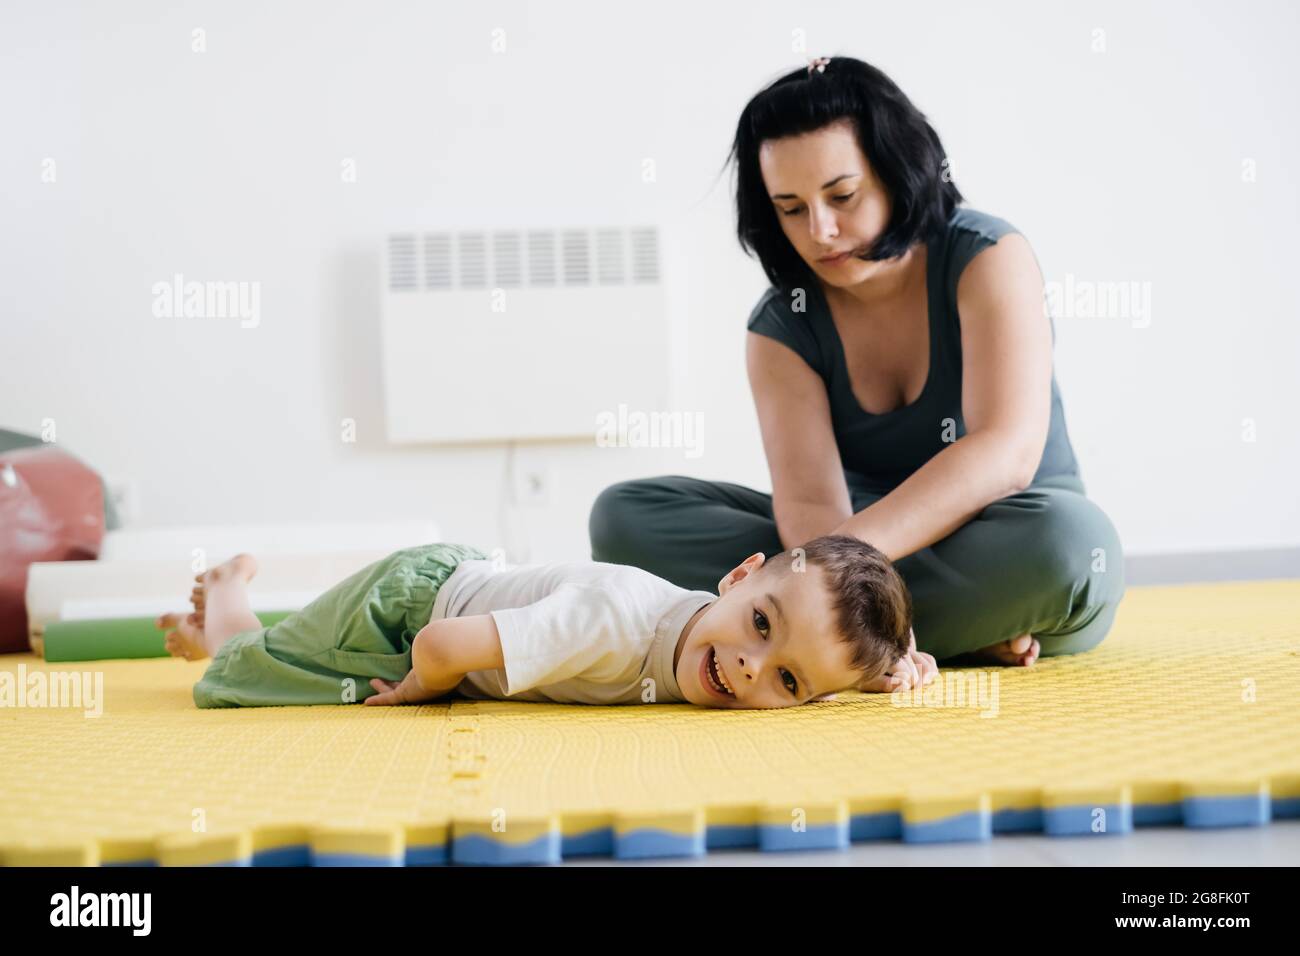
x: 809, y: 495
x: 939, y: 497
x: 1006, y: 405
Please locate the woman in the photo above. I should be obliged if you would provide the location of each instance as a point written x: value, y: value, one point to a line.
x: 901, y: 367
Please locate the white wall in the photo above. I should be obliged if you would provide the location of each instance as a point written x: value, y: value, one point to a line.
x: 1118, y: 165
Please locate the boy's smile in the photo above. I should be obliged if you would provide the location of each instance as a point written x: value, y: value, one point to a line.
x: 713, y: 676
x: 769, y: 640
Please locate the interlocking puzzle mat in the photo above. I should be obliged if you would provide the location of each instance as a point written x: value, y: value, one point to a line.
x: 1188, y: 714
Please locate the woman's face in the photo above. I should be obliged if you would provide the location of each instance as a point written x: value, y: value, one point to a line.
x: 827, y: 199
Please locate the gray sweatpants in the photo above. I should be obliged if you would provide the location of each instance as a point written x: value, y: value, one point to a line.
x: 1045, y: 561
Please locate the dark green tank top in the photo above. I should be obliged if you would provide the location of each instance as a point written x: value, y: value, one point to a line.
x: 879, y: 452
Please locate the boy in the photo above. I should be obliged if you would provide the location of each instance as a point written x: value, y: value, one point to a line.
x: 439, y: 619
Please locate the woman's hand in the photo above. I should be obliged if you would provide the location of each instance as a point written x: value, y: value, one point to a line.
x: 409, y: 691
x: 913, y: 669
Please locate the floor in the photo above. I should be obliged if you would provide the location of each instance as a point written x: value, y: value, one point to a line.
x: 1275, y: 845
x: 1278, y: 844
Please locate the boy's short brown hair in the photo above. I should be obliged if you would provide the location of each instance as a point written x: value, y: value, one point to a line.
x: 870, y: 600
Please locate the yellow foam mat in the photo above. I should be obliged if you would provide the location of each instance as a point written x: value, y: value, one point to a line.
x: 1188, y: 713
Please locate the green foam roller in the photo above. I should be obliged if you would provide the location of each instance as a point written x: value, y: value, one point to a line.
x: 125, y: 637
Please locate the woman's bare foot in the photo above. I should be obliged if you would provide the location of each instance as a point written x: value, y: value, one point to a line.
x: 193, y: 638
x: 1019, y: 651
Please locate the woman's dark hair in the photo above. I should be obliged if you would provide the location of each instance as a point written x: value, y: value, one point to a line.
x: 898, y: 141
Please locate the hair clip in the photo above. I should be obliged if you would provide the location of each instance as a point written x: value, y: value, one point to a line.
x: 818, y: 64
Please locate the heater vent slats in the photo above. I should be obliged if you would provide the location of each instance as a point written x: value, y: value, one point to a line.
x: 645, y: 255
x: 536, y: 258
x: 472, y: 247
x: 507, y: 261
x: 576, y: 249
x: 437, y: 260
x: 403, y: 273
x: 541, y: 258
x: 610, y: 257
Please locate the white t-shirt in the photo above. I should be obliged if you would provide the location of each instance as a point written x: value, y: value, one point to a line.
x: 580, y: 632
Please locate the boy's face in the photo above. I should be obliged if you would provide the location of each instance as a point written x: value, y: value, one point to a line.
x: 772, y: 637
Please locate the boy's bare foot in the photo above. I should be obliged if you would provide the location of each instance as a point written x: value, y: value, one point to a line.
x: 189, y: 639
x: 186, y: 640
x: 241, y: 566
x: 1019, y: 651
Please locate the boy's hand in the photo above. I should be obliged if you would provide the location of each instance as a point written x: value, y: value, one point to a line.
x: 913, y: 669
x: 409, y: 691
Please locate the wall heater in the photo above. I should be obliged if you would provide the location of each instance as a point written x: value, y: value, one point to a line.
x: 521, y: 334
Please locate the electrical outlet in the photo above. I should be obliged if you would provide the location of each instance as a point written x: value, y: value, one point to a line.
x: 532, y: 485
x: 125, y: 493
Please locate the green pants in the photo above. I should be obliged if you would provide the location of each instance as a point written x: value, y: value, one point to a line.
x: 327, y: 653
x: 1046, y: 561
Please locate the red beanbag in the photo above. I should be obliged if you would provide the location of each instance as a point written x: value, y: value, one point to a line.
x: 51, y: 509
